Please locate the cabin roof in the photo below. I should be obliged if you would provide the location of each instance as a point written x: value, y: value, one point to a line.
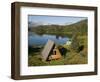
x: 47, y: 49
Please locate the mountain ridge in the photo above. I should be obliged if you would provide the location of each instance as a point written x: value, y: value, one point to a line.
x: 80, y: 27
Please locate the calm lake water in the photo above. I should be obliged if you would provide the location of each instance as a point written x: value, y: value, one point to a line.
x: 41, y: 40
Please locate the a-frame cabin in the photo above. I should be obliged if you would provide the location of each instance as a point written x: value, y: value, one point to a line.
x: 50, y: 51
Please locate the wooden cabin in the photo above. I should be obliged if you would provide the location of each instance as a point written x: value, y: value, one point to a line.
x: 55, y: 54
x: 50, y: 51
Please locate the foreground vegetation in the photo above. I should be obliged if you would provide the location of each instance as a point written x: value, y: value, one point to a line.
x: 71, y: 57
x: 76, y: 52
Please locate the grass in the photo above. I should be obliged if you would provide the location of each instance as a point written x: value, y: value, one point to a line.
x: 72, y: 57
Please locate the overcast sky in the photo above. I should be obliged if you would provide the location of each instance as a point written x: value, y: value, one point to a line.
x: 60, y: 20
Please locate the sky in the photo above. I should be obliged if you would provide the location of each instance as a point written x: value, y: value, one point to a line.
x: 60, y: 20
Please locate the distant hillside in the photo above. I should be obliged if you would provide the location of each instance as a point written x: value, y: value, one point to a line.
x: 80, y: 27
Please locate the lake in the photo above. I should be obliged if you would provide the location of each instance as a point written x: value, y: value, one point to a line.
x: 40, y: 40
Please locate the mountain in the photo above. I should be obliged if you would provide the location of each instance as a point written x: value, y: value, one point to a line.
x: 80, y: 27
